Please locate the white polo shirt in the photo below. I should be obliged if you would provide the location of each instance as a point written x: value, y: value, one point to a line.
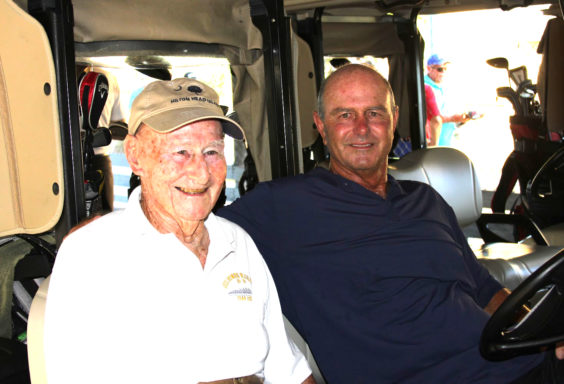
x: 127, y: 304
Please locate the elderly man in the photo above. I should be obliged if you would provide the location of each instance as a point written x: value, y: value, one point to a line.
x: 375, y: 273
x: 164, y: 291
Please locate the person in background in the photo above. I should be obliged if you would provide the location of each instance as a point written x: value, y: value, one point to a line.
x: 437, y: 67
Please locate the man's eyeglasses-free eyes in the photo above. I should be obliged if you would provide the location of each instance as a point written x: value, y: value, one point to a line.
x: 440, y: 69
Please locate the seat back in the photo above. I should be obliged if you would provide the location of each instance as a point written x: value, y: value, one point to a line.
x: 450, y: 172
x: 35, y: 351
x: 31, y: 170
x: 305, y: 89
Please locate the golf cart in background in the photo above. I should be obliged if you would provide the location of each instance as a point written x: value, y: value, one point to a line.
x: 274, y: 52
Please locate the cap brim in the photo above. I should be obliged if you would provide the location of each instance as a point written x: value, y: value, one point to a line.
x: 168, y: 121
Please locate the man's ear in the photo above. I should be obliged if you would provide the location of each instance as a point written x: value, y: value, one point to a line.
x: 132, y: 148
x: 319, y: 125
x: 396, y: 117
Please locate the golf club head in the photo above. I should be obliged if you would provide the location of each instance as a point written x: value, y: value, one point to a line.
x: 501, y: 63
x: 339, y: 62
x: 518, y: 75
x: 527, y: 89
x: 510, y: 94
x: 498, y: 62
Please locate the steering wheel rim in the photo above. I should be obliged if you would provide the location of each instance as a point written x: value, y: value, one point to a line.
x: 544, y: 173
x: 504, y: 338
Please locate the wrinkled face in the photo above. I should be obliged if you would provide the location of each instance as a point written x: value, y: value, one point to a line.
x: 183, y: 171
x: 437, y: 72
x: 359, y: 122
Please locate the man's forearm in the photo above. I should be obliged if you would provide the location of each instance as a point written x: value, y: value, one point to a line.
x: 435, y: 125
x: 499, y: 298
x: 496, y: 300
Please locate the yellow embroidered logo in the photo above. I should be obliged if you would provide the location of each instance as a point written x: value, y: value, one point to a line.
x: 239, y: 285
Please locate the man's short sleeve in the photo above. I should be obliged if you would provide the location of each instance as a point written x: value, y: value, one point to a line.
x: 431, y: 103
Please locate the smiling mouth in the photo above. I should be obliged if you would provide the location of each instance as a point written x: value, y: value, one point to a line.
x: 361, y: 146
x: 192, y: 191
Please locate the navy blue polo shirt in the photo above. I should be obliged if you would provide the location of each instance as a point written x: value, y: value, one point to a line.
x: 383, y: 290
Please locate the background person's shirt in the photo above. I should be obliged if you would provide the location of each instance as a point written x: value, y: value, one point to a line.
x: 431, y: 109
x: 447, y: 129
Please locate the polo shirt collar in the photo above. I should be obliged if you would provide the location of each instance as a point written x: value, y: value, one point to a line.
x: 139, y: 221
x: 394, y: 188
x: 222, y: 241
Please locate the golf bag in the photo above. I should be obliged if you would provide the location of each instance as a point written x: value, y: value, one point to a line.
x: 93, y: 93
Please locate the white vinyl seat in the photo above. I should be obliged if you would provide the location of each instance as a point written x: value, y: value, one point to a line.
x: 31, y: 167
x: 451, y: 173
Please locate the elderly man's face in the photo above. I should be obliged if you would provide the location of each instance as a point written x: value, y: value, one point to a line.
x: 183, y: 171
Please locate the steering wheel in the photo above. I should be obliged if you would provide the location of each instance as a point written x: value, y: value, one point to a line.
x: 547, y: 183
x: 505, y: 337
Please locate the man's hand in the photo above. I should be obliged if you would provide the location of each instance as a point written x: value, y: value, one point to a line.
x: 458, y: 118
x: 462, y: 118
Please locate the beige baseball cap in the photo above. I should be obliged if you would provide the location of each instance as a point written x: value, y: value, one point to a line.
x: 169, y: 105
